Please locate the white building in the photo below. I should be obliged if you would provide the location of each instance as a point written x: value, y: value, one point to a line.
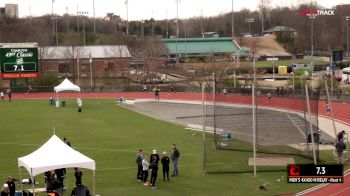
x: 11, y: 10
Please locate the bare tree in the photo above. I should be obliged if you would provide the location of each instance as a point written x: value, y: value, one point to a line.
x: 264, y: 8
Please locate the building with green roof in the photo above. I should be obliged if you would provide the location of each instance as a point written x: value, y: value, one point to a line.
x: 278, y: 29
x: 202, y: 47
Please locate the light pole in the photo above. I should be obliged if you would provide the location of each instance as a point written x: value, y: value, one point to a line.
x: 232, y: 21
x: 201, y: 22
x: 54, y: 19
x: 167, y: 25
x: 53, y: 22
x: 82, y: 14
x: 93, y: 4
x: 312, y: 18
x: 293, y: 81
x: 249, y: 20
x: 67, y: 19
x: 185, y: 21
x: 127, y: 16
x: 78, y: 25
x: 347, y: 18
x: 142, y: 30
x: 177, y: 30
x: 152, y: 24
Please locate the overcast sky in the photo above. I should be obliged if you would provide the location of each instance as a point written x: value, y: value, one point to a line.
x: 145, y: 9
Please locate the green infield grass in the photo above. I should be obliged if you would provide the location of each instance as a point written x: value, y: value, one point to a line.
x: 111, y: 135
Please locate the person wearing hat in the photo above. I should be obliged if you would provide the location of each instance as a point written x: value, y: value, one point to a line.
x: 154, y: 159
x: 5, y: 190
x: 165, y: 162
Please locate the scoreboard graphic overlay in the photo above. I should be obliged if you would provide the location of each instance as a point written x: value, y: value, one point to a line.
x: 315, y: 173
x: 19, y: 60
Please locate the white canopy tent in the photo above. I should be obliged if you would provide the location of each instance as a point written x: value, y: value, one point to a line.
x: 55, y: 154
x: 66, y: 85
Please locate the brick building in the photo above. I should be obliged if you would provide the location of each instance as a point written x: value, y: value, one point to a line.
x: 109, y: 63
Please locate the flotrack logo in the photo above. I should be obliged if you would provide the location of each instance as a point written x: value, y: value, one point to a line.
x: 320, y: 12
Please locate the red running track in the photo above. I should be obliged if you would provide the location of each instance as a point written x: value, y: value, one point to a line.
x: 341, y: 110
x: 342, y: 189
x: 341, y: 113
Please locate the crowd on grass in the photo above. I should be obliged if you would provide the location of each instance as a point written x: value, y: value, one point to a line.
x: 146, y: 165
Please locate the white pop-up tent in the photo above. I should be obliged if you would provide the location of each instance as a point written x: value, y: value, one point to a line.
x: 55, y: 154
x: 66, y: 85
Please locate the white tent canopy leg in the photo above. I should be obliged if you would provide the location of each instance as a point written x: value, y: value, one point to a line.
x: 20, y: 180
x: 93, y: 183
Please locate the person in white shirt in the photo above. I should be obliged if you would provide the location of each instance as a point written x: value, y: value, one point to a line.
x: 145, y: 166
x: 2, y: 96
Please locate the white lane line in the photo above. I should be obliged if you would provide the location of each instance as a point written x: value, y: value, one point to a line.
x: 312, y: 189
x: 336, y: 193
x: 84, y: 148
x: 294, y: 123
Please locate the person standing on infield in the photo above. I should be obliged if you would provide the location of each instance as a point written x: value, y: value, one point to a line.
x: 78, y: 176
x: 139, y: 158
x: 175, y: 155
x: 154, y: 159
x: 165, y: 162
x: 145, y: 166
x: 2, y: 96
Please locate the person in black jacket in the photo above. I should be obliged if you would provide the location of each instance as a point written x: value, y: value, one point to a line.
x: 5, y: 191
x: 175, y: 155
x: 78, y: 175
x: 11, y: 186
x: 80, y: 190
x: 154, y: 159
x: 139, y: 158
x: 60, y: 174
x: 165, y: 162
